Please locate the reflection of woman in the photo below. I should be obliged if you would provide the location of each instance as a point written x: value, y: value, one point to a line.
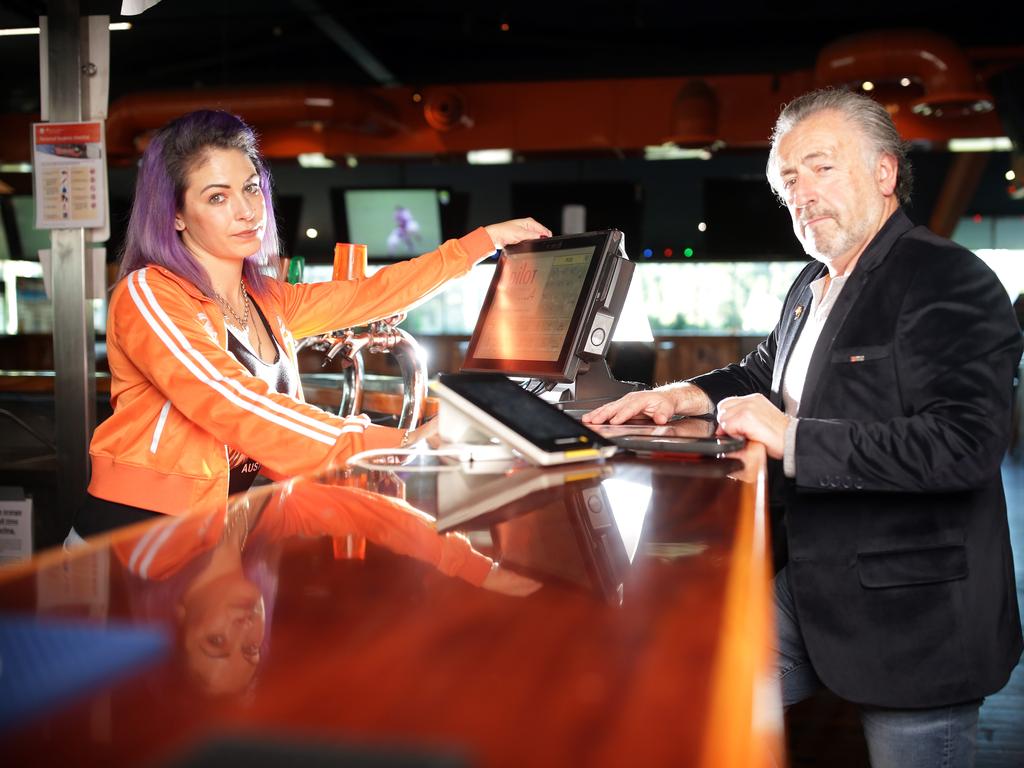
x: 214, y: 586
x: 200, y: 341
x: 215, y: 576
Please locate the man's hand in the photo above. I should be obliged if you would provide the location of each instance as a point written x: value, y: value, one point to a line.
x: 754, y: 418
x: 658, y: 405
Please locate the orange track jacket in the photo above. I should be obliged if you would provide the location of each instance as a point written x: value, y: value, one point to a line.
x: 181, y: 401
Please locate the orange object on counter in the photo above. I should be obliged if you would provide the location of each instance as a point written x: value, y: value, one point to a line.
x: 349, y: 261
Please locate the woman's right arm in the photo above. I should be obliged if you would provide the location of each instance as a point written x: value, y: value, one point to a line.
x: 160, y: 331
x: 311, y: 309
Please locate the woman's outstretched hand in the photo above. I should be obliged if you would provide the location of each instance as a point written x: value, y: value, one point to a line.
x: 515, y: 231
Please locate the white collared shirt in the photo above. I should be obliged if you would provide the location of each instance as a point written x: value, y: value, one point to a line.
x: 799, y: 361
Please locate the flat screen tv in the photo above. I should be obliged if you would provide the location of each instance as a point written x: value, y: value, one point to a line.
x: 746, y: 222
x: 397, y: 223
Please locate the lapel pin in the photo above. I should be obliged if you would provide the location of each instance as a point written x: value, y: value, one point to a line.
x: 856, y: 358
x: 799, y: 310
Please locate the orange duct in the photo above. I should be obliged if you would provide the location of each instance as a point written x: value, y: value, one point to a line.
x: 445, y: 109
x: 941, y: 81
x: 358, y: 111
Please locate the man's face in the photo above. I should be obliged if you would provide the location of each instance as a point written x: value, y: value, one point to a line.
x: 839, y: 193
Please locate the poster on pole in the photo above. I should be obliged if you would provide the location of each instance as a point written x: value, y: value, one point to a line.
x: 68, y: 174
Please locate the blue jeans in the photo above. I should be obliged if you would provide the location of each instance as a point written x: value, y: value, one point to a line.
x: 942, y: 737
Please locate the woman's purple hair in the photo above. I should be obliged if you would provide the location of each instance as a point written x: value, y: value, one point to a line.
x: 171, y: 156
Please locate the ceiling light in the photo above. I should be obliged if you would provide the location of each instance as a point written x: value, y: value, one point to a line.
x: 117, y: 26
x: 311, y: 233
x: 489, y: 156
x: 671, y: 151
x: 15, y: 168
x: 1010, y: 175
x: 867, y: 85
x: 702, y: 227
x: 351, y: 161
x: 989, y: 144
x: 905, y: 81
x: 314, y: 160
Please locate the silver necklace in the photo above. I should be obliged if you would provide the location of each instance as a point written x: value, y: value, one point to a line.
x: 242, y: 321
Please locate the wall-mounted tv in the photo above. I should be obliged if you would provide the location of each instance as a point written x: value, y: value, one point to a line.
x: 607, y: 205
x: 745, y: 221
x: 397, y: 223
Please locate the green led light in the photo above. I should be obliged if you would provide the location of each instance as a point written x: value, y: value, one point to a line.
x: 688, y: 253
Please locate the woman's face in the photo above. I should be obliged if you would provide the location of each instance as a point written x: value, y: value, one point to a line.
x: 223, y: 624
x: 223, y: 214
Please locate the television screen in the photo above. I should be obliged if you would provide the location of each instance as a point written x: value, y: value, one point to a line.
x: 29, y: 239
x: 605, y: 205
x: 288, y: 211
x: 746, y: 221
x: 394, y: 223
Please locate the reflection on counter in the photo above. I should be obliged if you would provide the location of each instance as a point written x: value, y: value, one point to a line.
x: 578, y: 526
x: 211, y: 580
x: 327, y: 612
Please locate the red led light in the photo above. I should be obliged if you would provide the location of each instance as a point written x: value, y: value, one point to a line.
x: 976, y: 218
x: 668, y: 253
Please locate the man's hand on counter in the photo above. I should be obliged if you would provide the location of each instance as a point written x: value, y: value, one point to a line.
x: 755, y: 418
x: 659, y: 405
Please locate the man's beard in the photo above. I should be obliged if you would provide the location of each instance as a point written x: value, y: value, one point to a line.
x: 826, y: 242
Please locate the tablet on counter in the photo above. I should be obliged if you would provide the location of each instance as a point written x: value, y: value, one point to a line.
x: 500, y: 408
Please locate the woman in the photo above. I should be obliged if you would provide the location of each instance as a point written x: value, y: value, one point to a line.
x: 201, y: 343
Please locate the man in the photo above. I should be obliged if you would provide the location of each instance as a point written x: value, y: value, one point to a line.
x: 885, y: 391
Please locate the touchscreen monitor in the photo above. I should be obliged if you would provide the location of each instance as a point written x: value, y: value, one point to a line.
x: 552, y: 305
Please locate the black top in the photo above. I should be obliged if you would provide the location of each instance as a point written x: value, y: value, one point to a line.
x: 280, y: 375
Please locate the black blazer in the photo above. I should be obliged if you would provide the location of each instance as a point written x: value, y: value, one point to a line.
x: 899, y: 553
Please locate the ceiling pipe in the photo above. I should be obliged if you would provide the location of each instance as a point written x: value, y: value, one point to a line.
x: 616, y: 116
x: 133, y: 118
x: 940, y: 79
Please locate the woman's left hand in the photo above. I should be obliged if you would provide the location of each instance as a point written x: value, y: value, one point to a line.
x: 426, y: 431
x: 515, y: 231
x: 509, y: 583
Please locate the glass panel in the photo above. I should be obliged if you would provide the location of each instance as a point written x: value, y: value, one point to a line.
x: 1008, y: 266
x: 720, y: 298
x: 743, y: 297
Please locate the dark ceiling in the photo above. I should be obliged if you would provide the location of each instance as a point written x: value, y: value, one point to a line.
x: 200, y: 43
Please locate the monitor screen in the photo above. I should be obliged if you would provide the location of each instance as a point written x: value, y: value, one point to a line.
x: 766, y: 231
x: 550, y: 302
x: 394, y: 223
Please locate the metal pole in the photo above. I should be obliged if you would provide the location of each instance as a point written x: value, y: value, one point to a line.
x: 74, y: 354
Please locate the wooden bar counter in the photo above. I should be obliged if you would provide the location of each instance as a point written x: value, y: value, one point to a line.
x: 628, y: 624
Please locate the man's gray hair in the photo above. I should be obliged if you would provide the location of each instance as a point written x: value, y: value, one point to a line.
x: 867, y: 114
